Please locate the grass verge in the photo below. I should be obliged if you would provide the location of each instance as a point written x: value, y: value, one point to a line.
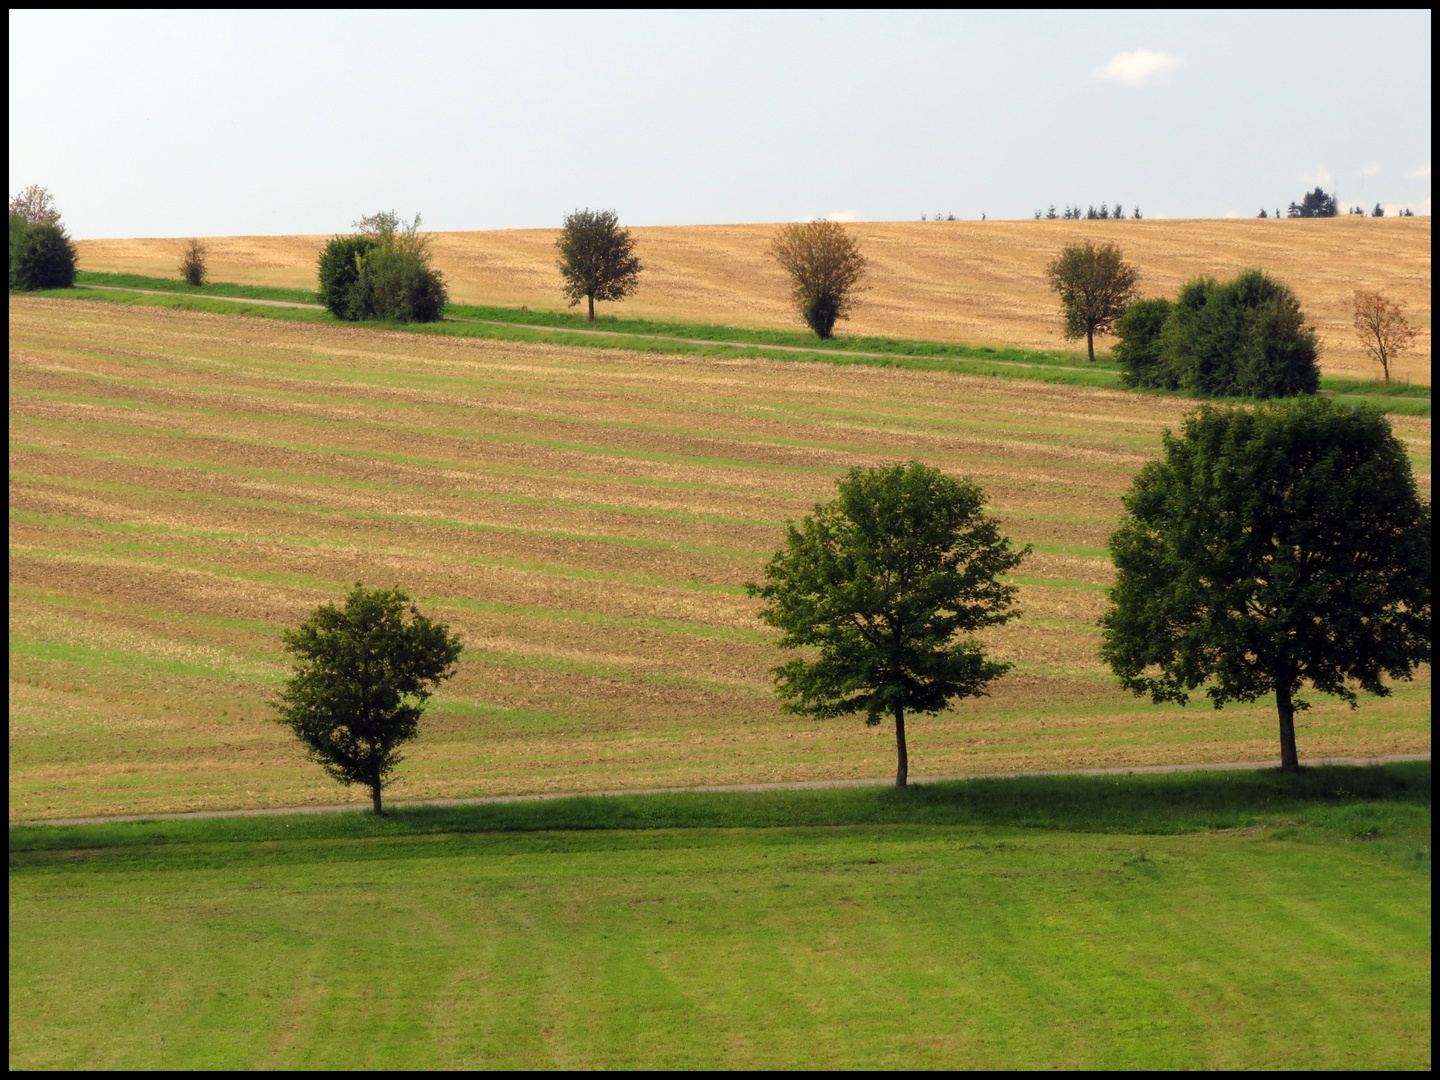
x: 1376, y: 803
x: 835, y: 945
x: 1038, y: 367
x: 1400, y: 398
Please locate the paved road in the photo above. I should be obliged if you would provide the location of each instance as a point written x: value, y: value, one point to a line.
x: 611, y: 333
x: 797, y: 785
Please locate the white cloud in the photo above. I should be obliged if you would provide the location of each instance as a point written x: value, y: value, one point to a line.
x: 1232, y: 213
x: 843, y: 215
x: 1320, y: 177
x: 1370, y: 170
x: 1422, y: 173
x: 1136, y: 67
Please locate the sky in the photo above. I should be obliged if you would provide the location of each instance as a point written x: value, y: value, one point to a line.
x: 240, y: 123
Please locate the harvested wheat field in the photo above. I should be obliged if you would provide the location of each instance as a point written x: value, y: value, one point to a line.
x: 184, y: 485
x: 980, y: 283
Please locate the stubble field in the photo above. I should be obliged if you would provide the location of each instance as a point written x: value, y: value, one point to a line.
x: 980, y: 283
x: 184, y: 485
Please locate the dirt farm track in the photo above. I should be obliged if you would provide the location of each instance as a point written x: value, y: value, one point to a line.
x: 981, y: 283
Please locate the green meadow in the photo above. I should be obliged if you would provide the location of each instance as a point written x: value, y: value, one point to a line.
x: 1201, y: 920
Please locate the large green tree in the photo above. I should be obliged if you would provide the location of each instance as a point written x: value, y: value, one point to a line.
x: 1270, y: 549
x: 886, y: 584
x: 1241, y: 338
x: 1096, y: 285
x: 597, y: 258
x: 363, y: 675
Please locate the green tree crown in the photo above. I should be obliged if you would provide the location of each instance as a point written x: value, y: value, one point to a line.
x: 1140, y: 346
x: 41, y: 257
x: 382, y: 271
x: 880, y: 583
x: 1241, y: 338
x: 1317, y: 203
x: 1095, y: 285
x: 1271, y: 548
x: 362, y: 678
x: 597, y: 258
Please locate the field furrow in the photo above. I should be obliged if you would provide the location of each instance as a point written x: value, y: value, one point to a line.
x: 185, y: 485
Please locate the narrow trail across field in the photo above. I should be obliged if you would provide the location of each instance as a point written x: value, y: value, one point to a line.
x: 612, y: 333
x: 797, y: 785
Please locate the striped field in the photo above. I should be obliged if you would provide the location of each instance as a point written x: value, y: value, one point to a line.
x: 183, y: 485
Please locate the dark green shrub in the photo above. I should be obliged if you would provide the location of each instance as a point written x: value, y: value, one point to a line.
x: 397, y: 286
x: 339, y: 270
x: 1241, y: 338
x: 42, y: 258
x: 18, y: 224
x: 192, y: 264
x: 1138, y: 352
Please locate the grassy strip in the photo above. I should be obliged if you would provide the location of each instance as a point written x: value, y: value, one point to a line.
x: 901, y: 946
x: 993, y: 367
x: 614, y: 323
x: 1359, y: 803
x: 1402, y: 399
x: 911, y: 347
x: 214, y: 288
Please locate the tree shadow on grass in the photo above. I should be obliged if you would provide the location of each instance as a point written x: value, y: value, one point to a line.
x: 1341, y: 800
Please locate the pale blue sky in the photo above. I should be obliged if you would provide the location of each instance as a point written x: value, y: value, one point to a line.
x: 163, y: 124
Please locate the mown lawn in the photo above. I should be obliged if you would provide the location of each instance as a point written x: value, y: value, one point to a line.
x: 1190, y: 921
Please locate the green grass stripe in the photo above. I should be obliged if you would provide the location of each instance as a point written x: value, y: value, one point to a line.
x: 336, y: 585
x: 313, y: 511
x: 638, y: 622
x: 1055, y: 583
x: 499, y: 412
x: 261, y: 627
x: 617, y: 672
x: 984, y: 368
x: 376, y: 485
x: 22, y: 647
x: 522, y: 387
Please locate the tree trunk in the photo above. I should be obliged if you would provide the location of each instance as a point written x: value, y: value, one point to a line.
x: 1289, y: 758
x: 591, y: 298
x: 902, y: 767
x: 375, y: 799
x: 1090, y: 341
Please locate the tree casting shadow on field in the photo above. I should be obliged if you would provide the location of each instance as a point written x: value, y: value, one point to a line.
x: 364, y: 675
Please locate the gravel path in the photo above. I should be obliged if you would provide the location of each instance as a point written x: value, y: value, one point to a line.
x: 797, y: 785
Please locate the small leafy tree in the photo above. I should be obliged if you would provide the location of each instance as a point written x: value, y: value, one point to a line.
x: 1382, y: 328
x: 1269, y: 549
x: 880, y: 582
x: 1096, y: 285
x: 36, y: 205
x: 192, y: 263
x: 826, y: 271
x: 1317, y: 203
x: 360, y: 685
x: 597, y: 258
x: 1379, y: 211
